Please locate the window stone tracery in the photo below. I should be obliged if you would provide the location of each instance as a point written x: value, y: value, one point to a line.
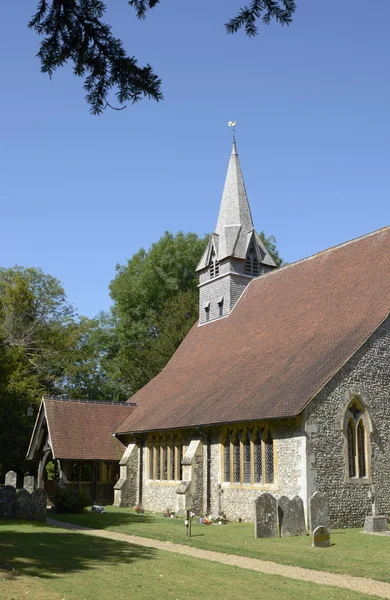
x: 357, y: 440
x: 248, y: 456
x: 164, y: 457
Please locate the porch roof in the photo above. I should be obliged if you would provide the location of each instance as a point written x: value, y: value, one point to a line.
x: 80, y: 429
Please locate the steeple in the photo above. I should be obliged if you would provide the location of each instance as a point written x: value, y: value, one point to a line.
x: 234, y: 209
x: 234, y: 254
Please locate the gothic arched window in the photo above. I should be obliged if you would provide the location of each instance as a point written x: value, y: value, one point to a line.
x: 356, y: 438
x: 351, y: 449
x: 361, y: 443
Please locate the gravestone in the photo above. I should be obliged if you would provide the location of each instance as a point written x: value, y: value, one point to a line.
x: 321, y: 537
x: 291, y: 516
x: 10, y: 478
x: 266, y: 516
x: 319, y: 511
x: 7, y: 501
x: 23, y: 505
x: 39, y: 498
x: 29, y: 483
x: 375, y: 523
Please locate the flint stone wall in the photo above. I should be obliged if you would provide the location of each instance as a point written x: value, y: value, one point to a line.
x: 366, y: 375
x: 21, y: 504
x: 126, y: 488
x: 7, y: 501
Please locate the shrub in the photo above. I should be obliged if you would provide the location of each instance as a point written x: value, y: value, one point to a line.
x: 70, y: 500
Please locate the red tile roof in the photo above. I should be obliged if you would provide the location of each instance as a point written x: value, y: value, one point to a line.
x: 290, y: 332
x: 82, y: 430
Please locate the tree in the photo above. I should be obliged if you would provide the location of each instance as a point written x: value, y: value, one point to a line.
x: 74, y: 31
x: 155, y: 304
x: 45, y: 349
x: 270, y: 244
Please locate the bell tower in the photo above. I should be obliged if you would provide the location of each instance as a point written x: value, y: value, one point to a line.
x: 234, y: 254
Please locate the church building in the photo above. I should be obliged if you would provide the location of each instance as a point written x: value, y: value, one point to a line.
x: 282, y: 385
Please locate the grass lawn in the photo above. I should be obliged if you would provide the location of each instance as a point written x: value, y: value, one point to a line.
x: 352, y: 552
x: 43, y: 563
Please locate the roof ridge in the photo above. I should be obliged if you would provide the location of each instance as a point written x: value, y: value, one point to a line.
x: 311, y: 256
x: 88, y: 401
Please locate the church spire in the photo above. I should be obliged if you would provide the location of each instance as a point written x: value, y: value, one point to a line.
x: 235, y: 253
x: 234, y: 209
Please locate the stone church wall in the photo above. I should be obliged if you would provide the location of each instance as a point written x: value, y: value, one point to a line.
x: 236, y: 500
x: 366, y: 375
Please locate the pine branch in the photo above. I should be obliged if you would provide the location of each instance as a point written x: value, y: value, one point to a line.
x: 280, y: 10
x: 74, y: 31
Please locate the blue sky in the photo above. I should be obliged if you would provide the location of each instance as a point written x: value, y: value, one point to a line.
x: 80, y: 194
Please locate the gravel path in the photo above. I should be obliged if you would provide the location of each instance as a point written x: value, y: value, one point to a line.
x: 357, y: 584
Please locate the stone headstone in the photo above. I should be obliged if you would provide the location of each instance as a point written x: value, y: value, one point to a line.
x: 291, y: 516
x: 29, y: 483
x: 23, y: 505
x: 319, y: 511
x: 97, y: 509
x: 10, y: 478
x: 7, y: 501
x: 321, y: 537
x: 373, y: 524
x: 266, y: 516
x: 39, y: 499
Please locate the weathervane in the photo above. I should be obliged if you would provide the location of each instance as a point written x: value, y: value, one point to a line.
x: 232, y: 124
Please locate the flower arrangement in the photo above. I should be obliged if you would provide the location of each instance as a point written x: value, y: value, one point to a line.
x: 221, y: 519
x: 138, y: 509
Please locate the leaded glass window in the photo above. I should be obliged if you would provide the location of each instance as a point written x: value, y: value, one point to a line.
x: 361, y: 449
x: 248, y: 457
x: 157, y: 461
x: 164, y: 450
x: 247, y: 460
x: 171, y: 462
x: 227, y: 459
x: 351, y: 449
x: 179, y: 467
x: 269, y: 459
x: 237, y: 460
x: 258, y: 451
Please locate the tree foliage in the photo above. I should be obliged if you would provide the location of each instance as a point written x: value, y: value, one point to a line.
x: 43, y: 344
x: 74, y: 30
x: 155, y: 304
